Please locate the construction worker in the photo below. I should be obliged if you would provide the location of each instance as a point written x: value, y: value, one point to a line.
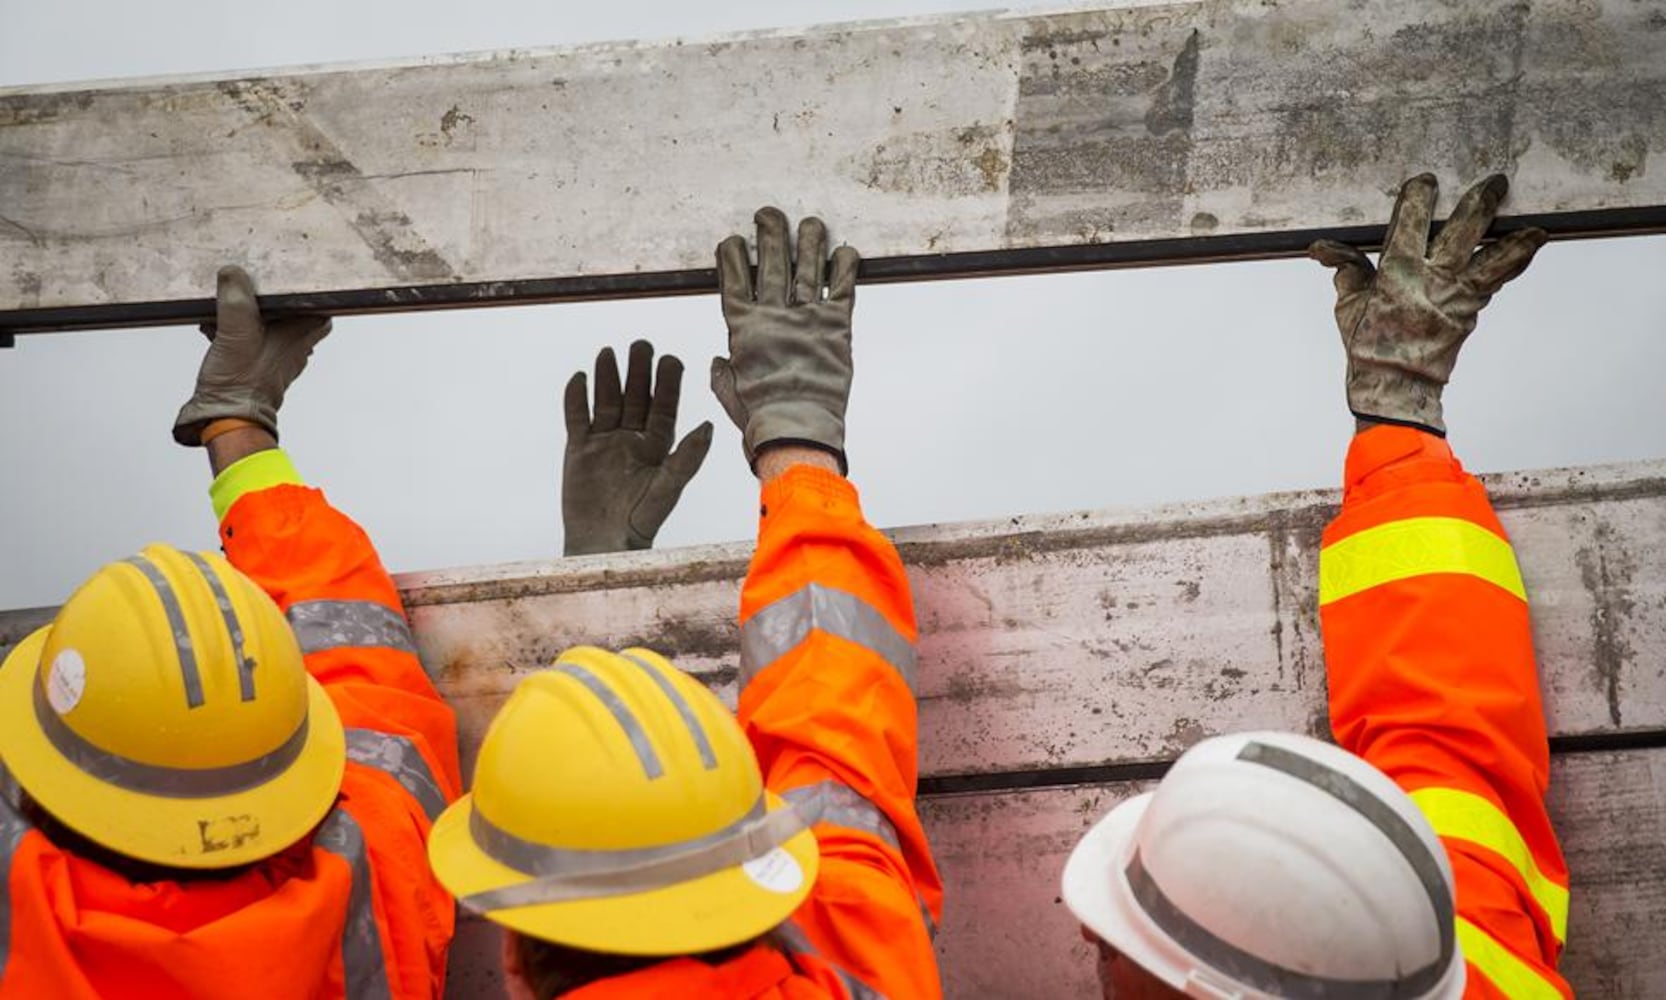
x: 220, y: 771
x: 1416, y: 860
x: 631, y: 835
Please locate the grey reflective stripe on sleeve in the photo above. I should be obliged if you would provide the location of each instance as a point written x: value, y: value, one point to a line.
x: 157, y: 779
x: 176, y: 624
x: 778, y: 628
x: 837, y: 803
x: 398, y: 757
x: 245, y: 666
x: 794, y: 941
x: 12, y: 828
x: 1276, y: 979
x: 621, y: 714
x: 695, y: 730
x: 321, y: 625
x: 361, y: 941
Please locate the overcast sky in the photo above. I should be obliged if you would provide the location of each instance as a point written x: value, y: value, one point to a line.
x: 442, y: 432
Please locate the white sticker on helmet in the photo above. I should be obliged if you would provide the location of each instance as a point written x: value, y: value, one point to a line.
x: 66, y: 681
x: 776, y: 871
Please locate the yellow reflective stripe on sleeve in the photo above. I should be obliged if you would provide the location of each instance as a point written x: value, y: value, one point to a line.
x: 1416, y: 546
x: 1466, y: 816
x: 1517, y: 979
x: 262, y: 470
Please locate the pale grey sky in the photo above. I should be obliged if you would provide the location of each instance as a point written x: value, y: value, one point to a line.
x: 442, y: 432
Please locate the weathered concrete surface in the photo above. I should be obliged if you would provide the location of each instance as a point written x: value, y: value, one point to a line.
x: 1092, y: 638
x: 488, y: 174
x: 1005, y: 934
x: 1101, y: 638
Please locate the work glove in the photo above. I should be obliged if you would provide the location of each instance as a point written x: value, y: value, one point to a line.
x: 621, y: 476
x: 250, y: 363
x: 787, y: 376
x: 1403, y: 321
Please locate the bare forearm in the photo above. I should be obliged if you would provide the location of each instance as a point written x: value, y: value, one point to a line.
x: 773, y: 460
x: 231, y: 446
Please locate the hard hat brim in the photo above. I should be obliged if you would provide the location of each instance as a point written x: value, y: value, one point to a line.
x: 714, y: 911
x: 199, y: 833
x: 1096, y: 891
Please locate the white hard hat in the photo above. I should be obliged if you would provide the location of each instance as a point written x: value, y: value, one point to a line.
x: 1273, y: 865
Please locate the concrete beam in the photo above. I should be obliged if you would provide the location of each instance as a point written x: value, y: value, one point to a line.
x: 979, y: 144
x: 1091, y: 646
x: 1095, y: 642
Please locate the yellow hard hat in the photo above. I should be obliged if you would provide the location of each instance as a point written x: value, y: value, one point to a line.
x: 166, y: 714
x: 617, y: 807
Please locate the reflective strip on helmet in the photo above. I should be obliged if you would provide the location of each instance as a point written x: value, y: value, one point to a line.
x: 1379, y: 814
x: 361, y: 940
x: 321, y: 625
x: 794, y: 942
x: 1513, y: 977
x: 176, y: 624
x: 12, y: 829
x: 1466, y: 816
x: 398, y: 757
x: 837, y: 803
x: 1261, y: 974
x: 695, y: 730
x: 780, y: 627
x: 1258, y: 973
x: 565, y: 874
x: 1416, y: 546
x: 158, y: 779
x: 245, y: 666
x: 622, y: 714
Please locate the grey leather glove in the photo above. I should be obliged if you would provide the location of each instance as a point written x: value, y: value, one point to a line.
x: 250, y: 363
x: 787, y: 377
x: 1403, y: 321
x: 621, y: 477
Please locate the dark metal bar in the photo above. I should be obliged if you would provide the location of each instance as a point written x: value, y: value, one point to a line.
x: 924, y: 267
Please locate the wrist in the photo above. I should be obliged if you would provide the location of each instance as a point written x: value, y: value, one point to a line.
x: 1366, y: 422
x: 774, y: 459
x: 231, y: 445
x: 223, y: 425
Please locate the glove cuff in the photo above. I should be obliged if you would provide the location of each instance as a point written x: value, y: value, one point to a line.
x: 1395, y: 396
x: 795, y: 423
x: 195, y: 416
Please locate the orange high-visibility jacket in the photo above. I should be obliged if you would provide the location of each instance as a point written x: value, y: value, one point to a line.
x: 350, y: 912
x: 827, y: 699
x: 1432, y: 679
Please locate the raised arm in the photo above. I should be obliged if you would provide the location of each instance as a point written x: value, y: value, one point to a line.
x: 827, y: 622
x: 314, y: 561
x: 1427, y: 643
